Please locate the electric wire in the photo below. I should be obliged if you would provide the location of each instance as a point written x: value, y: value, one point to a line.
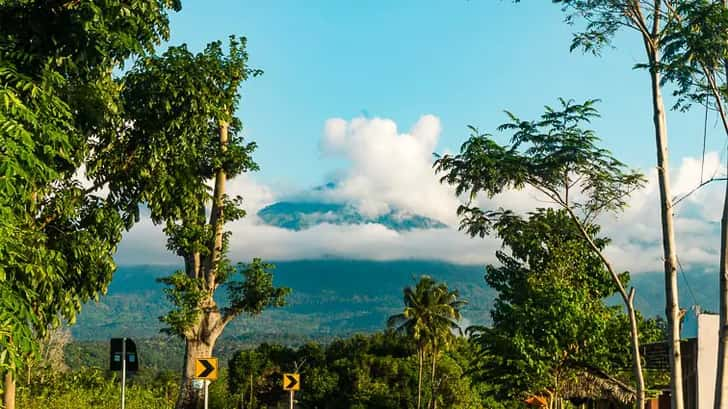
x: 687, y: 283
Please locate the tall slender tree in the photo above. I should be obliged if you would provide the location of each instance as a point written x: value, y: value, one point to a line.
x: 556, y: 156
x: 649, y: 19
x: 696, y: 59
x: 180, y: 137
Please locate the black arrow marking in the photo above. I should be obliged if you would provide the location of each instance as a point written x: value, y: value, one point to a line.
x: 208, y: 368
x: 292, y: 382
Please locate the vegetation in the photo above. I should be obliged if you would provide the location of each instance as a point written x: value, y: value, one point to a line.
x: 164, y: 135
x: 180, y: 133
x: 557, y: 157
x: 431, y: 315
x: 382, y: 370
x: 550, y: 323
x: 57, y: 237
x: 364, y: 371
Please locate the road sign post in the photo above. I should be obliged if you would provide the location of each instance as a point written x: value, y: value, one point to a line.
x: 123, y: 357
x: 123, y: 372
x: 207, y: 384
x: 291, y: 383
x: 206, y: 370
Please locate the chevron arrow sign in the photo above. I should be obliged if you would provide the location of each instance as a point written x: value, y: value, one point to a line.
x: 206, y: 368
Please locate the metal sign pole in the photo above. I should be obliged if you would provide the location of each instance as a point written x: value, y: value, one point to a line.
x: 292, y: 399
x: 207, y: 383
x: 123, y: 371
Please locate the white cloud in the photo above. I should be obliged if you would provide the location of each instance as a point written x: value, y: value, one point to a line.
x: 637, y: 234
x: 389, y: 169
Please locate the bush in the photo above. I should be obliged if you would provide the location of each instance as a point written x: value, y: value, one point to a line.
x: 91, y: 388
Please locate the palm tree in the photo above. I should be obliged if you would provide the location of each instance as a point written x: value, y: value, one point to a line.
x: 429, y: 317
x: 443, y: 327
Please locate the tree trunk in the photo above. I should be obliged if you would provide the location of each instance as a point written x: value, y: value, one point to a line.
x: 9, y: 391
x: 217, y: 217
x: 189, y: 397
x: 420, y: 355
x: 721, y: 378
x: 200, y: 338
x: 636, y: 360
x: 721, y: 381
x: 199, y: 346
x: 432, y: 384
x: 628, y: 300
x: 672, y: 309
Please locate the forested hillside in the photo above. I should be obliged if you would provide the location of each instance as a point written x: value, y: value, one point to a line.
x: 335, y: 298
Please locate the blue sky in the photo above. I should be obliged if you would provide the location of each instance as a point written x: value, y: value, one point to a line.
x: 463, y: 61
x: 340, y: 76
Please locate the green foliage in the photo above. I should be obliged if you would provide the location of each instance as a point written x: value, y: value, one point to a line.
x: 256, y: 292
x: 431, y: 313
x: 603, y: 17
x: 90, y: 388
x: 16, y: 321
x: 177, y: 108
x: 169, y: 148
x: 695, y: 47
x: 430, y: 318
x: 363, y: 371
x: 186, y: 294
x: 56, y: 237
x: 553, y: 155
x: 549, y: 318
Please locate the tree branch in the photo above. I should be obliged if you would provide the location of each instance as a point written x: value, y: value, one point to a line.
x: 599, y: 253
x: 685, y: 196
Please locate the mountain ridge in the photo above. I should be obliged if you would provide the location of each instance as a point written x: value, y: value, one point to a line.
x: 337, y: 297
x: 301, y: 215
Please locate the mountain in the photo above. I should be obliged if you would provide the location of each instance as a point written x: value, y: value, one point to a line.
x: 334, y: 297
x: 330, y: 298
x: 300, y: 215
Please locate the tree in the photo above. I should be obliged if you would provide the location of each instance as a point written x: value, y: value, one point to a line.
x: 180, y: 134
x: 560, y: 159
x: 56, y: 95
x: 696, y: 59
x: 244, y: 369
x: 431, y: 313
x: 649, y: 18
x: 549, y: 319
x: 550, y: 323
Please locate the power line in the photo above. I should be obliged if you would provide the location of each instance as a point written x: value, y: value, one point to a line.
x: 685, y: 278
x: 714, y: 178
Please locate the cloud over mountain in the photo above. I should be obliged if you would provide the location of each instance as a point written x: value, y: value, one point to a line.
x: 388, y: 168
x: 392, y: 170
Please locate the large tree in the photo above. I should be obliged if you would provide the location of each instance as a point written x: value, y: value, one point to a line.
x: 180, y: 136
x: 557, y: 156
x: 649, y: 19
x: 696, y: 60
x: 57, y: 237
x: 549, y: 317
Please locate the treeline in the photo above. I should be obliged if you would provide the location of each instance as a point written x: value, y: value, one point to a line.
x: 363, y: 371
